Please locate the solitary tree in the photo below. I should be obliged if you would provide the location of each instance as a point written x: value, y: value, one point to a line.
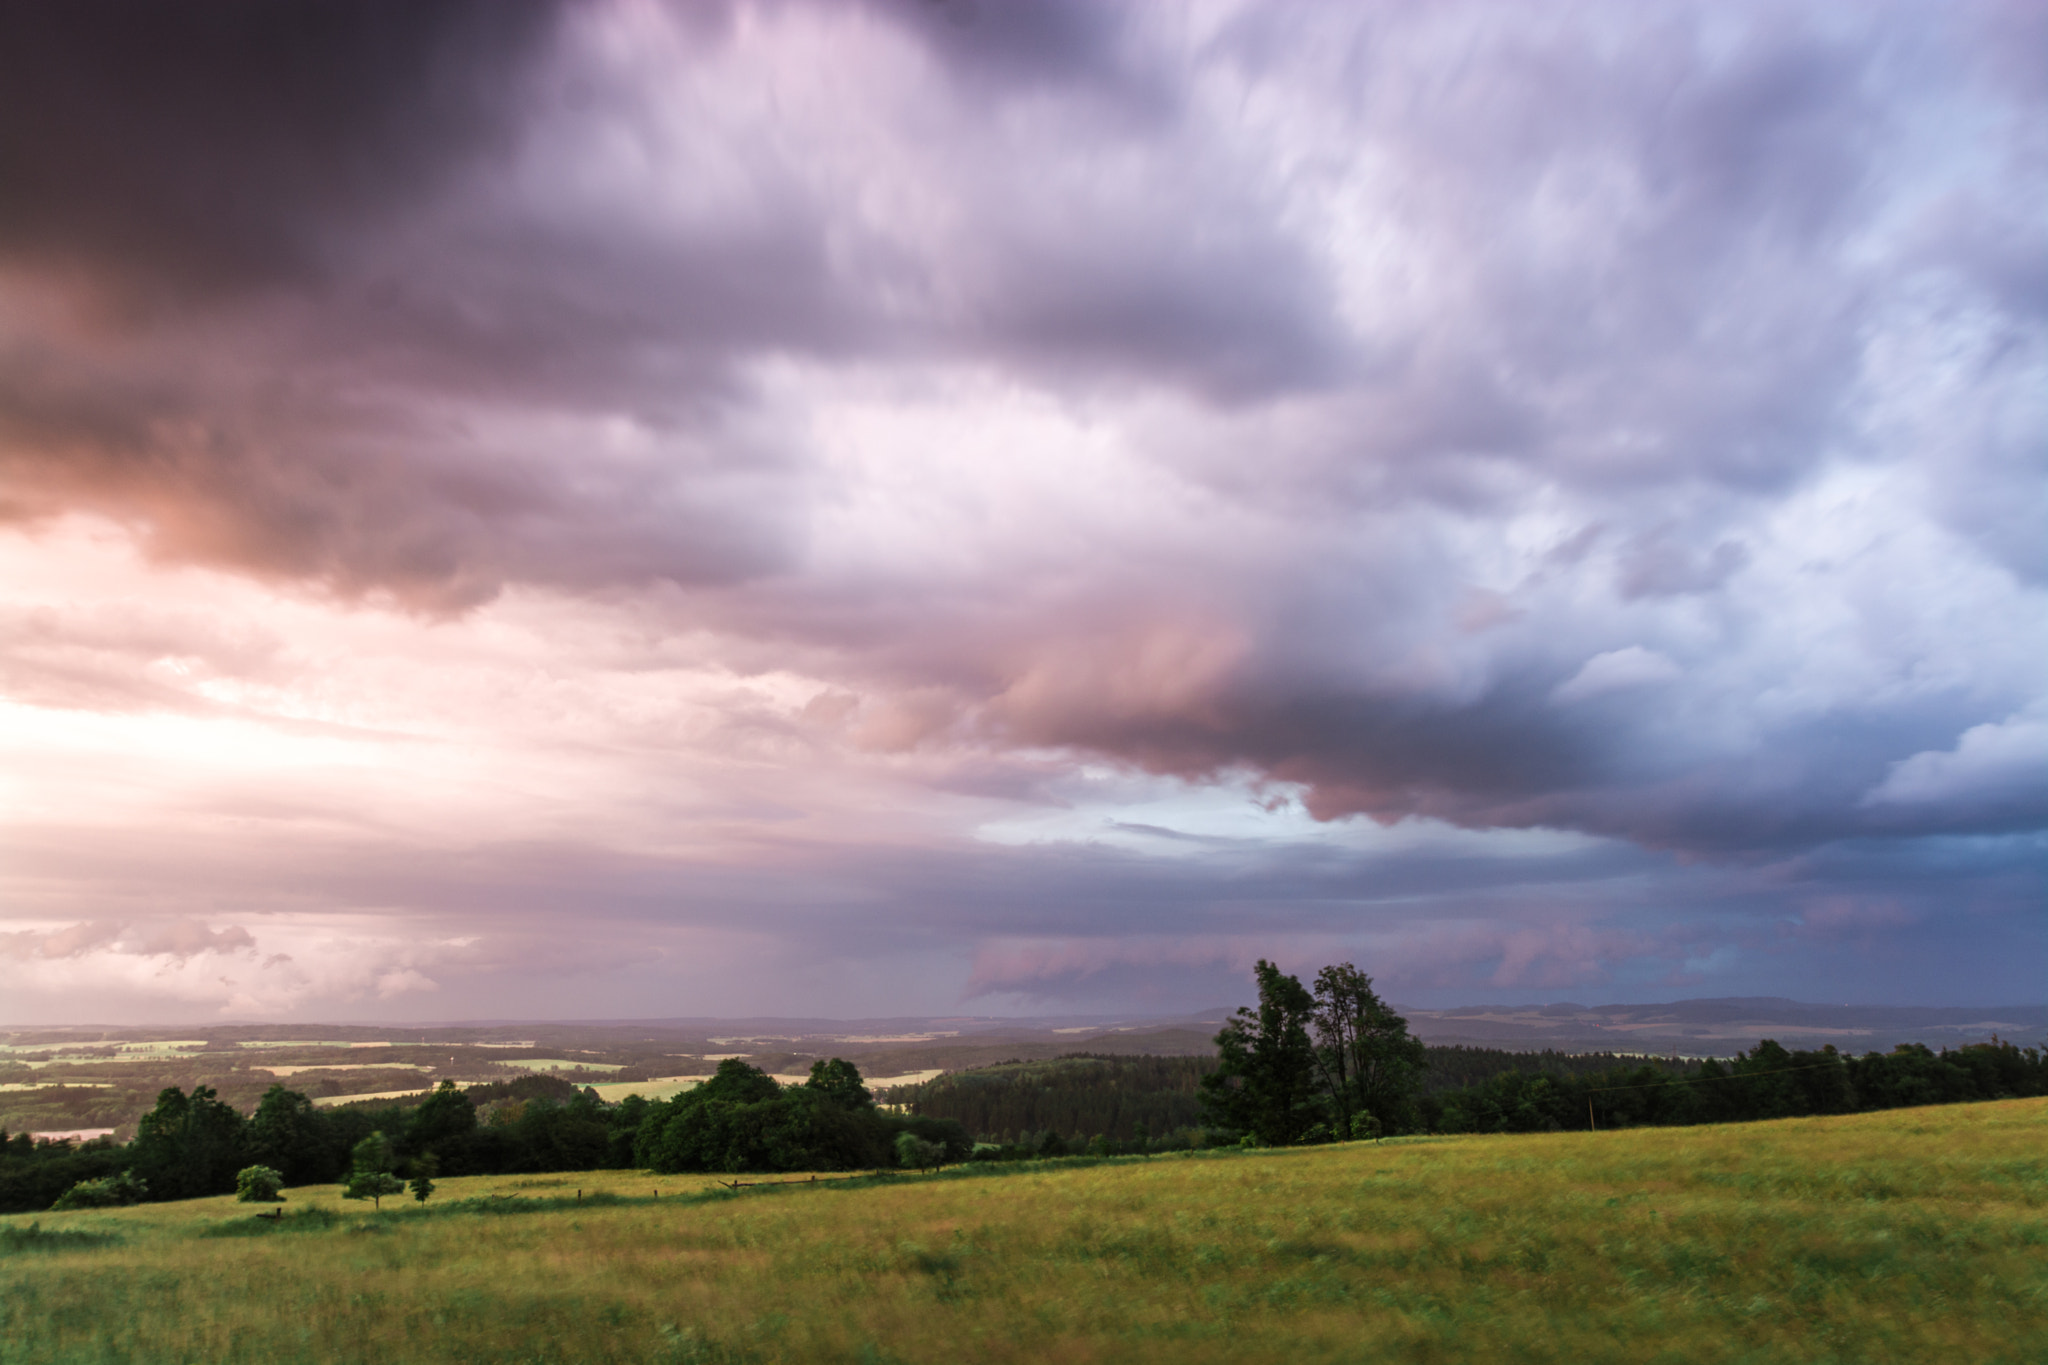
x: 422, y: 1182
x: 370, y: 1175
x: 912, y: 1150
x: 1265, y: 1079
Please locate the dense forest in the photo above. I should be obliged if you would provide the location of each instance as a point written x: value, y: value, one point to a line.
x: 1767, y: 1082
x: 1458, y: 1068
x: 1083, y: 1095
x: 1156, y: 1101
x: 1078, y: 1096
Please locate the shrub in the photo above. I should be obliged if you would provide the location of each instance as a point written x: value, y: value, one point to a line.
x: 105, y: 1193
x: 259, y: 1185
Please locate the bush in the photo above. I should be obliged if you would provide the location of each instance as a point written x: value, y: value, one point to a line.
x: 259, y: 1185
x: 107, y: 1192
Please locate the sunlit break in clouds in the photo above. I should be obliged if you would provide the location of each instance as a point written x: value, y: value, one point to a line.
x: 641, y: 509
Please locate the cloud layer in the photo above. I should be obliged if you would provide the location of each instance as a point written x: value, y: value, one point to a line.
x: 1036, y: 502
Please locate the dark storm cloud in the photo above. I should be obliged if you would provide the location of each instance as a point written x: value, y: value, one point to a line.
x: 1056, y: 47
x: 1375, y: 282
x: 178, y: 145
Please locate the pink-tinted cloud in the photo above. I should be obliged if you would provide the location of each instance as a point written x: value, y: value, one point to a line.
x: 742, y: 464
x: 178, y: 939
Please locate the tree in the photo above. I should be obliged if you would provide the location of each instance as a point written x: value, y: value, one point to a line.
x: 1369, y: 1065
x: 370, y: 1172
x: 736, y: 1081
x: 259, y: 1185
x: 189, y: 1146
x: 912, y: 1150
x: 443, y: 1118
x: 288, y: 1134
x: 839, y: 1081
x: 1265, y: 1080
x: 422, y: 1183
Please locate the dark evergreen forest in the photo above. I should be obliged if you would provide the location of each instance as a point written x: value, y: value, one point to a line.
x: 1078, y: 1096
x: 1469, y: 1089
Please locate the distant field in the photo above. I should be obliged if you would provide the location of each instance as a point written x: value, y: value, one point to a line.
x: 611, y: 1092
x: 55, y: 1085
x: 1911, y: 1235
x: 283, y: 1071
x: 661, y: 1088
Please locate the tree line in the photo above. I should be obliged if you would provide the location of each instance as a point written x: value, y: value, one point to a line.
x: 1077, y: 1096
x: 741, y: 1119
x: 1767, y: 1082
x: 1316, y: 1063
x: 1151, y: 1103
x: 1324, y: 1062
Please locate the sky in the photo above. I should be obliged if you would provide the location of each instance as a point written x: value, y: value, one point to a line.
x: 635, y: 509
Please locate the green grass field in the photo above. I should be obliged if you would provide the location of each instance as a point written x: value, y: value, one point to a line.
x: 1911, y: 1235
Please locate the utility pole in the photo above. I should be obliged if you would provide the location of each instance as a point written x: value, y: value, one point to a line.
x: 1590, y: 1125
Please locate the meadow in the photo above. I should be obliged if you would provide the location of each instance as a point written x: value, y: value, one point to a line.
x: 1906, y: 1235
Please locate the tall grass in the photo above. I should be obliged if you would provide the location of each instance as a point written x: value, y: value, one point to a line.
x: 1902, y: 1236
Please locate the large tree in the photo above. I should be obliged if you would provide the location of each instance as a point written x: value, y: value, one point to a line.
x: 1265, y: 1082
x: 1369, y: 1065
x: 445, y: 1117
x: 289, y: 1135
x: 839, y: 1081
x: 185, y: 1147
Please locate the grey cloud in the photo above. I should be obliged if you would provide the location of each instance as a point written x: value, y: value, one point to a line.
x: 1638, y: 257
x: 1994, y: 778
x: 185, y: 938
x: 1054, y: 922
x: 1653, y: 567
x: 175, y: 147
x: 74, y: 941
x: 1057, y: 47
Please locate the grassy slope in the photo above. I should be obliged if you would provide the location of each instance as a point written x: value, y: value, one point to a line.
x: 1902, y: 1236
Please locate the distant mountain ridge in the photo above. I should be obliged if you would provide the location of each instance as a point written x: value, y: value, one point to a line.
x: 1737, y: 1021
x: 1704, y: 1027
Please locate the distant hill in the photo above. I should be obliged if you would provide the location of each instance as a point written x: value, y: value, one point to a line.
x: 1720, y: 1026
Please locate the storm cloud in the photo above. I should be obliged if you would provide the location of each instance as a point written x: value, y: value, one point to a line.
x: 1548, y: 496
